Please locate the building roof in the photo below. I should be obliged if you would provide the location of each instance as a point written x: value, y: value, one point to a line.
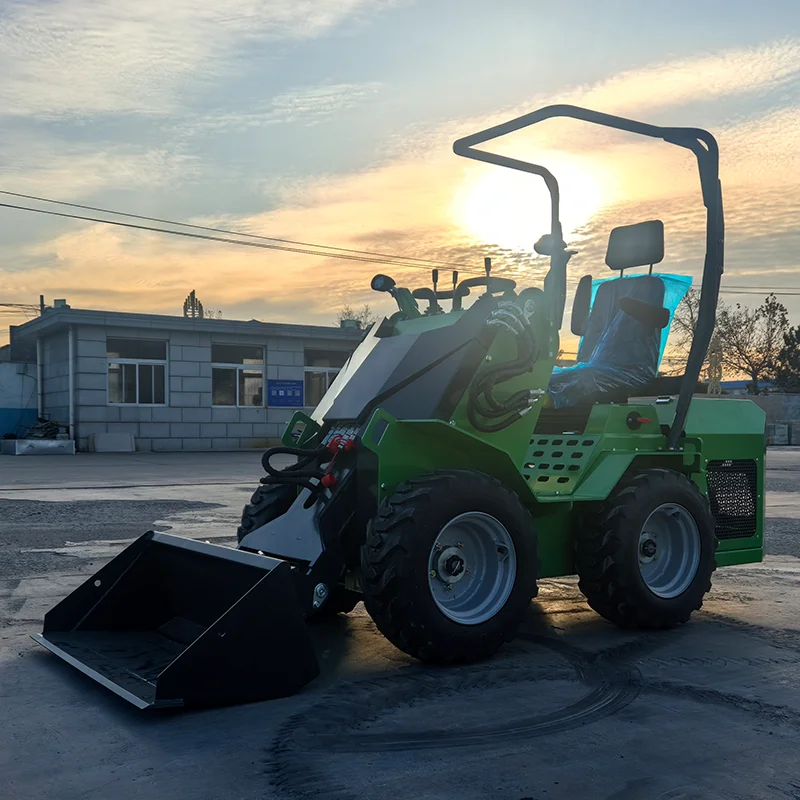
x: 55, y: 320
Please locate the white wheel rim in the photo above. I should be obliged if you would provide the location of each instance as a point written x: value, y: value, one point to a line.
x: 472, y: 568
x: 669, y: 550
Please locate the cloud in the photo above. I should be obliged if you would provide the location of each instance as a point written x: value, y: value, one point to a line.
x: 407, y: 205
x: 684, y: 81
x: 81, y: 57
x: 308, y: 106
x: 40, y: 164
x: 668, y: 85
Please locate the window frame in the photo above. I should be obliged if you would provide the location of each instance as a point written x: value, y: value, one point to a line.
x: 138, y: 362
x: 330, y: 376
x: 330, y: 372
x: 237, y: 367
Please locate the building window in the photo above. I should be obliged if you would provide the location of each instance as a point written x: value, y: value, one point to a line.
x: 137, y: 370
x: 322, y: 366
x: 237, y: 375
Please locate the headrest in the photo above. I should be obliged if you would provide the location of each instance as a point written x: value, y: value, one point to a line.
x: 636, y: 245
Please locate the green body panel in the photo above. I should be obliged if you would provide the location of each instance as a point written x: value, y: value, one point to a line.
x: 732, y: 558
x: 554, y: 474
x: 408, y: 448
x: 300, y: 430
x: 731, y: 429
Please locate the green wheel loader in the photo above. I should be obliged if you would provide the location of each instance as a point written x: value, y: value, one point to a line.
x: 451, y: 466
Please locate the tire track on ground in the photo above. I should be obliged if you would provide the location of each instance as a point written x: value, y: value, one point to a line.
x: 613, y: 684
x: 784, y: 638
x: 612, y: 676
x: 769, y: 711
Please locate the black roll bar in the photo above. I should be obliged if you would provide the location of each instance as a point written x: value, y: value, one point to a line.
x: 705, y: 149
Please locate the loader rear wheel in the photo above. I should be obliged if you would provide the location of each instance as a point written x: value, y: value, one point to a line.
x: 268, y: 502
x: 645, y: 557
x: 449, y: 566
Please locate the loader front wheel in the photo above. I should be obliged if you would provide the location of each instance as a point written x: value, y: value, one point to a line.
x: 268, y: 502
x: 645, y: 556
x: 449, y: 566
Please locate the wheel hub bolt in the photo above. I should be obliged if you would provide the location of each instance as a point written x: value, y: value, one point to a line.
x: 648, y: 548
x: 433, y: 573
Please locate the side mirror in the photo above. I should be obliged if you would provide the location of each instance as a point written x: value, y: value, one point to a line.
x: 547, y: 245
x: 382, y: 283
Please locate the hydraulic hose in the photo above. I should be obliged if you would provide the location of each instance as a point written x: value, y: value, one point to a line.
x: 305, y: 457
x: 300, y: 474
x: 481, y: 402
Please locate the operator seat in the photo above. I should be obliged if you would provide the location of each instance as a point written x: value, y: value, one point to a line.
x: 620, y: 349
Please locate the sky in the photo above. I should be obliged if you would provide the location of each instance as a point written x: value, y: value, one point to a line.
x: 332, y: 122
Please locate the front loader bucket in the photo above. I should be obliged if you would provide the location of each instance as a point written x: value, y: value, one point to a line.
x: 176, y: 622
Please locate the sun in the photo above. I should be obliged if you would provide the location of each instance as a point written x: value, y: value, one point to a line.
x: 511, y: 209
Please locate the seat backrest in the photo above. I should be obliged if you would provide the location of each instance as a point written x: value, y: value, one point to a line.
x: 613, y: 337
x: 607, y: 327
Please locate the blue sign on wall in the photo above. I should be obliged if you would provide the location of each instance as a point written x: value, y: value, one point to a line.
x: 285, y: 394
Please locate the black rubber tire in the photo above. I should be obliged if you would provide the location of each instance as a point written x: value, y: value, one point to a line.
x: 395, y: 563
x: 268, y: 502
x: 607, y: 552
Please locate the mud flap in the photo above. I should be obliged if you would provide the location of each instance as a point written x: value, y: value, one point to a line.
x: 176, y: 622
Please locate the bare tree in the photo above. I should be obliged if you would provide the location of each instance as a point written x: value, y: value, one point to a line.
x: 364, y: 317
x: 746, y: 341
x: 682, y: 332
x: 752, y: 339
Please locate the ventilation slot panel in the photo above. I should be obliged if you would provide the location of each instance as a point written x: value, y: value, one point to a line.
x: 733, y: 497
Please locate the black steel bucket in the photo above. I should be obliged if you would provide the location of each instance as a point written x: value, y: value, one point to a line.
x: 176, y: 622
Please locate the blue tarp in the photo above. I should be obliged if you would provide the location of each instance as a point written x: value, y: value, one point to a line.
x: 675, y: 289
x: 618, y: 353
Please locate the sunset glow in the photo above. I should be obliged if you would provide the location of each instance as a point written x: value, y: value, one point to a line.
x: 245, y: 117
x: 512, y: 209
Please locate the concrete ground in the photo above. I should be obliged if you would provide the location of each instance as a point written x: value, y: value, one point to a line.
x: 574, y: 708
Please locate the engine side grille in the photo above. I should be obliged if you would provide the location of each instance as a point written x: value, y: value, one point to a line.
x: 733, y: 496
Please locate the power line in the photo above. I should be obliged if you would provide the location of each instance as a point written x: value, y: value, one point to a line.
x: 224, y: 240
x: 763, y: 288
x: 427, y: 262
x: 760, y: 292
x: 346, y: 253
